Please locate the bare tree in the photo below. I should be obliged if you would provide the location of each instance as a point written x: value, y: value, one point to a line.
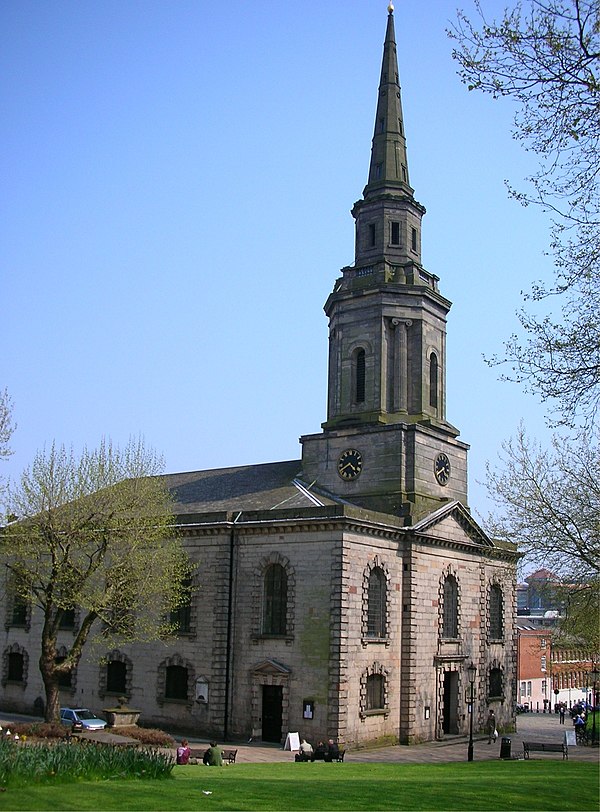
x: 545, y: 56
x: 94, y: 534
x: 7, y: 426
x: 548, y: 499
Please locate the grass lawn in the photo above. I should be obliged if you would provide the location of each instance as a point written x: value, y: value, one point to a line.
x: 548, y: 784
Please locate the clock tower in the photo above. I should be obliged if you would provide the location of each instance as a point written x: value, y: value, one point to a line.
x: 386, y: 444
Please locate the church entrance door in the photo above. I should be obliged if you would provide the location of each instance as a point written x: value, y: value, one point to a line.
x: 450, y: 723
x: 272, y: 705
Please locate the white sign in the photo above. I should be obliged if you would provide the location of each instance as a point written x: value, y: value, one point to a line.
x: 292, y: 742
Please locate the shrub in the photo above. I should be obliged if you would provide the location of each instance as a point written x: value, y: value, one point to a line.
x: 40, y: 730
x: 151, y: 737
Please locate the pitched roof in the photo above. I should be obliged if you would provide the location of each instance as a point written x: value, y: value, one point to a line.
x: 247, y: 487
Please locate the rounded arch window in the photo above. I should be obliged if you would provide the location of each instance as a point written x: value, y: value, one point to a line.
x: 275, y: 600
x: 359, y: 375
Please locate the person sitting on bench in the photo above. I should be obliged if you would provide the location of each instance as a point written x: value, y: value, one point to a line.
x: 213, y: 756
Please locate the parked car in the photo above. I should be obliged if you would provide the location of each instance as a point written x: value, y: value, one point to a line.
x: 522, y: 707
x: 81, y: 716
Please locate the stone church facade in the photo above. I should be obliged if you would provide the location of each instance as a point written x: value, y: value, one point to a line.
x: 344, y: 594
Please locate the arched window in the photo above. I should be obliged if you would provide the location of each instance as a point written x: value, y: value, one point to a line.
x: 374, y: 687
x: 496, y: 613
x: 16, y: 667
x: 495, y: 683
x: 376, y: 604
x: 433, y: 381
x: 176, y: 682
x: 20, y: 611
x: 375, y: 692
x: 450, y: 617
x: 19, y: 607
x: 116, y: 677
x: 360, y: 363
x: 181, y: 617
x: 67, y: 619
x: 275, y: 600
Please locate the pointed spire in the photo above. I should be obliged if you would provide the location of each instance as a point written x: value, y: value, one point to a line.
x: 389, y: 164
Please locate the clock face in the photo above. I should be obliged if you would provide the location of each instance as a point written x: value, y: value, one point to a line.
x: 441, y: 467
x: 350, y: 464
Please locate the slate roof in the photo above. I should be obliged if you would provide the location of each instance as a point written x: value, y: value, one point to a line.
x: 248, y: 487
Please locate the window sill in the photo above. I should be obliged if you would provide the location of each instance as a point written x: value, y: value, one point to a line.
x: 496, y: 641
x: 288, y: 638
x: 381, y: 641
x: 385, y: 712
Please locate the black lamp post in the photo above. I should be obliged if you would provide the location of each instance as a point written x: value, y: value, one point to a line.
x: 594, y: 674
x: 472, y: 669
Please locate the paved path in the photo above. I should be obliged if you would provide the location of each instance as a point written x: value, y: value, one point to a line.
x: 530, y: 727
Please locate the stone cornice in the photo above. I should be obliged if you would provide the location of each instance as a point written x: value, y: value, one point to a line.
x: 343, y: 518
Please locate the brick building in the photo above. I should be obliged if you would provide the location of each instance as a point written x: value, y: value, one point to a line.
x: 534, y: 684
x: 343, y: 594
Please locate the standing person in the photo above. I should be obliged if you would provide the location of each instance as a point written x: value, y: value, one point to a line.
x: 491, y: 727
x: 213, y: 757
x: 183, y: 752
x: 561, y: 714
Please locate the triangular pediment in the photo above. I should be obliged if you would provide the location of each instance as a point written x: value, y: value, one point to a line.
x: 270, y: 667
x: 453, y: 523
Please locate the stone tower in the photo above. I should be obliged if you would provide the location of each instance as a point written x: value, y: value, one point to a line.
x: 386, y: 443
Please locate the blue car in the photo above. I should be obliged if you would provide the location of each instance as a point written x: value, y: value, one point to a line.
x: 81, y: 716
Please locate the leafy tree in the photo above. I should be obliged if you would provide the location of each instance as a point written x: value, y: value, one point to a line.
x: 549, y: 500
x: 94, y: 535
x: 545, y: 56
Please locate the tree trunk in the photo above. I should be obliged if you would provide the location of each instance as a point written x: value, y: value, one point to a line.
x: 52, y: 710
x: 50, y: 676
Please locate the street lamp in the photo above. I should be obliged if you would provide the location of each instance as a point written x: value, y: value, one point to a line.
x: 472, y: 669
x: 594, y: 675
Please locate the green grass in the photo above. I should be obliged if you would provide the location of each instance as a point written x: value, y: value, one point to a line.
x: 491, y: 785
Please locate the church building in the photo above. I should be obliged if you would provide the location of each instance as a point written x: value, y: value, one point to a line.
x: 347, y: 594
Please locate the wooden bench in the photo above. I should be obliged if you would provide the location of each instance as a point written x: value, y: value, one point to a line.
x: 229, y: 756
x: 543, y: 747
x: 340, y: 757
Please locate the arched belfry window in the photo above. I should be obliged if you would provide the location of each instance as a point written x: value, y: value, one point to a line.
x: 376, y: 603
x: 433, y: 381
x: 275, y: 600
x: 359, y: 376
x: 450, y: 609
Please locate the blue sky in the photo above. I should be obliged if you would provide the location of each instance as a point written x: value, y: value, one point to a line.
x: 176, y: 185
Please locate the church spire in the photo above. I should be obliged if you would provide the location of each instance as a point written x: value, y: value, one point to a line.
x: 388, y: 218
x: 389, y: 164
